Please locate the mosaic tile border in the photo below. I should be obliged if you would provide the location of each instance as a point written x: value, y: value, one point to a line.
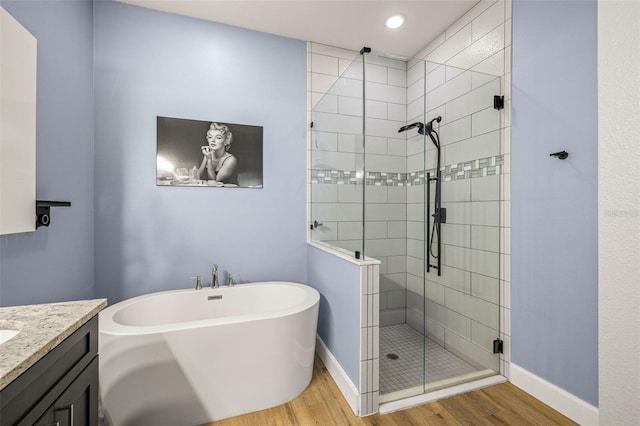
x: 489, y: 166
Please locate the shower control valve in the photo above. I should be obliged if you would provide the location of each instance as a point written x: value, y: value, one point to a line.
x: 440, y: 215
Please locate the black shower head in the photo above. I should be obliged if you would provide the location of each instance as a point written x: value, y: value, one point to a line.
x: 419, y: 125
x: 423, y: 129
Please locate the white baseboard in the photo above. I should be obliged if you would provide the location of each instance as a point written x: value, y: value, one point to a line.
x: 559, y: 399
x: 346, y: 386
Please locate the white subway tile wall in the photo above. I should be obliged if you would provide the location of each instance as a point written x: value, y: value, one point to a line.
x: 456, y: 77
x: 368, y: 386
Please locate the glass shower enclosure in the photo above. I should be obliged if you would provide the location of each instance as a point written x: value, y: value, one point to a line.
x: 405, y: 168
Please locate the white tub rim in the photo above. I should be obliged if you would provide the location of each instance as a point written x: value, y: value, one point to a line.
x: 108, y: 325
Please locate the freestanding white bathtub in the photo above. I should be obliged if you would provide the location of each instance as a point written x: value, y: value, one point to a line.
x: 187, y: 357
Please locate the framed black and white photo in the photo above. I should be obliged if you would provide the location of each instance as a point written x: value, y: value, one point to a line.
x: 208, y: 153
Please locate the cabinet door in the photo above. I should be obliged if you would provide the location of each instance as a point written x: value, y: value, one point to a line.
x: 18, y: 80
x: 78, y: 404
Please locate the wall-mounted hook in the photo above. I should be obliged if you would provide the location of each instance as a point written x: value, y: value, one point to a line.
x: 561, y: 155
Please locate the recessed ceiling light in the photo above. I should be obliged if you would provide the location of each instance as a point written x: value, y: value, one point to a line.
x: 395, y: 21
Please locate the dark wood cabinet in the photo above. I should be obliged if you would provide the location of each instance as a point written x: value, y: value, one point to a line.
x: 61, y: 389
x: 77, y: 405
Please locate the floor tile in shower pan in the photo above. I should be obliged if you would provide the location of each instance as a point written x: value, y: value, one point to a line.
x: 401, y: 360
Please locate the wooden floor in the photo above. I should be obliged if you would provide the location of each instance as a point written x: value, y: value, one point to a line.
x: 322, y: 404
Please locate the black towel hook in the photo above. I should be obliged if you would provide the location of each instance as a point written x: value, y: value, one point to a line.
x: 561, y: 155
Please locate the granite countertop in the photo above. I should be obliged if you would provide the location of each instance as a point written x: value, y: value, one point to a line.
x: 41, y: 328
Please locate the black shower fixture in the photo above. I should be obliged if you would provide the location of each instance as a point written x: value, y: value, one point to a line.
x: 429, y: 125
x: 426, y: 129
x: 440, y: 215
x: 417, y: 124
x: 423, y: 129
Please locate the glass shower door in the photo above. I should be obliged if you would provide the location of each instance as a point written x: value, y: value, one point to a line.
x: 462, y: 296
x: 448, y: 289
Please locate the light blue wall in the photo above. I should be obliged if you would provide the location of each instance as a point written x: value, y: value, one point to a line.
x: 56, y: 263
x: 554, y: 320
x: 338, y: 282
x: 150, y: 238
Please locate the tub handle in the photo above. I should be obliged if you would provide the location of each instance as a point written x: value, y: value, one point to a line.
x: 231, y: 283
x: 214, y: 277
x: 198, y: 279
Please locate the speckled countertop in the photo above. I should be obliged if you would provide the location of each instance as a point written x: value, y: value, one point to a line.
x: 41, y: 328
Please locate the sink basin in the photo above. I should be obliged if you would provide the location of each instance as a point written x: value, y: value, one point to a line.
x: 7, y: 335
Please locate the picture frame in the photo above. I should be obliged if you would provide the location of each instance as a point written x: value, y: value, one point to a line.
x: 208, y: 153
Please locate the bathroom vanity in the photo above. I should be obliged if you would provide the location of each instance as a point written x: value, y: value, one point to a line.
x: 49, y: 369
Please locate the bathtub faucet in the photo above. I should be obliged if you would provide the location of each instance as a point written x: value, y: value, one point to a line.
x: 215, y: 283
x: 231, y: 283
x: 198, y: 282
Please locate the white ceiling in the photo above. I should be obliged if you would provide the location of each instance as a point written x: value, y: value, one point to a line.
x: 348, y: 24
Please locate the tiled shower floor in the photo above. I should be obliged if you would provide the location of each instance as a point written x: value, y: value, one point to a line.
x: 406, y: 371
